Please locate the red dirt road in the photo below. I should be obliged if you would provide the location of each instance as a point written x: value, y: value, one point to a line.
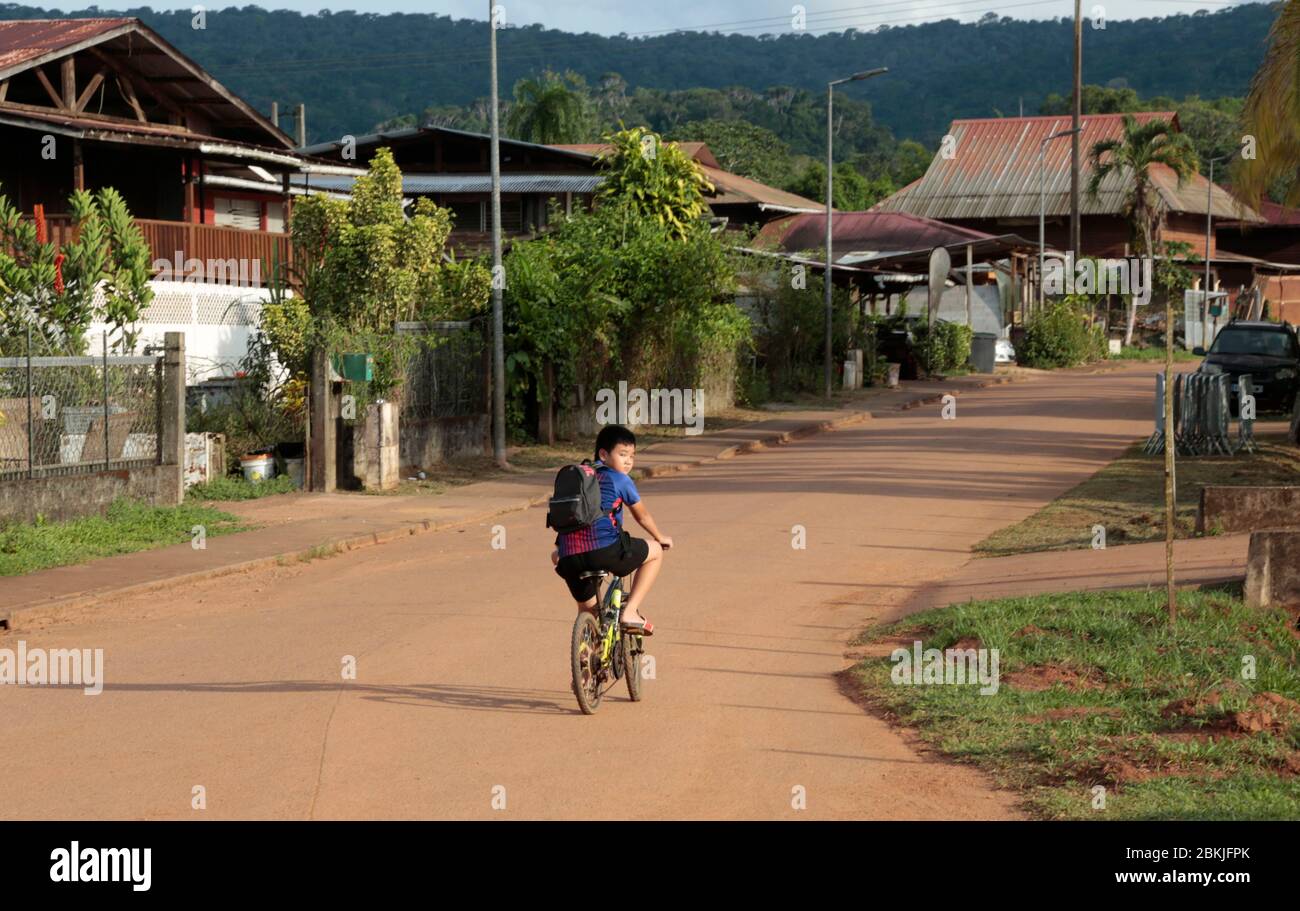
x: 462, y: 693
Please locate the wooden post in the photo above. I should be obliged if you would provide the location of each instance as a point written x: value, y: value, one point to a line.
x: 171, y: 444
x: 321, y: 466
x: 187, y: 172
x: 968, y: 280
x: 78, y: 166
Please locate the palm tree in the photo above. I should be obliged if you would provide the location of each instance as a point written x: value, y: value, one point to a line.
x: 548, y: 110
x: 1271, y: 115
x: 1131, y: 156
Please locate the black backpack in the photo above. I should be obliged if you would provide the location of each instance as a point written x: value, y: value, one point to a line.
x: 575, y: 501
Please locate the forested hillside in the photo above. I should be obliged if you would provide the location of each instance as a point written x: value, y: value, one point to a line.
x: 355, y: 70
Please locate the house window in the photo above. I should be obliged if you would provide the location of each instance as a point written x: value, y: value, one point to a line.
x: 512, y: 216
x: 237, y: 213
x: 466, y: 216
x: 275, y: 216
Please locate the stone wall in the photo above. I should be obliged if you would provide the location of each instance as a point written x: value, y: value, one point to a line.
x: 71, y: 496
x: 1273, y: 569
x: 1233, y: 509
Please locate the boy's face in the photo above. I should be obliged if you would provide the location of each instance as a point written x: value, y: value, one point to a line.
x: 620, y: 458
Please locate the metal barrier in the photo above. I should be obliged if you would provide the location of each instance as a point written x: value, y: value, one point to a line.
x: 1202, y: 416
x: 74, y: 415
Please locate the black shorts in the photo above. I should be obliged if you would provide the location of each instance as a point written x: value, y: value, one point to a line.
x: 620, y: 558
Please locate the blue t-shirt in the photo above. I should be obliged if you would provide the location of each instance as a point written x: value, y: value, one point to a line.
x: 616, y: 491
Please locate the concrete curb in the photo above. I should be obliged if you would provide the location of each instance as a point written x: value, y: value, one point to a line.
x: 47, y: 610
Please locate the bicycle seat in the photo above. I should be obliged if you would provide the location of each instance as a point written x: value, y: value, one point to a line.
x: 592, y: 574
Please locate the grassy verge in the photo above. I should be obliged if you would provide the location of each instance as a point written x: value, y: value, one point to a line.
x: 1096, y: 690
x: 231, y: 488
x: 127, y: 526
x: 1127, y: 498
x: 1132, y: 353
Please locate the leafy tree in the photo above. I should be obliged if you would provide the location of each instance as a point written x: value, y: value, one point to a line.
x: 550, y: 109
x: 1272, y: 113
x: 853, y: 192
x: 741, y: 148
x: 363, y: 264
x: 653, y: 179
x: 1131, y: 157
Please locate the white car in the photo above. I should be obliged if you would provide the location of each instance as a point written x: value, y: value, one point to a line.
x: 1004, y: 352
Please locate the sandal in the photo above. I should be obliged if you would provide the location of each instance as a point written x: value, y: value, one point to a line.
x: 644, y: 628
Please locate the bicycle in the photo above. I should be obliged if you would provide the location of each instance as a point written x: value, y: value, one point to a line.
x: 602, y: 651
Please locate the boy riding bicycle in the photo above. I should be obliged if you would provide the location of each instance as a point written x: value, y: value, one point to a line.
x: 604, y: 545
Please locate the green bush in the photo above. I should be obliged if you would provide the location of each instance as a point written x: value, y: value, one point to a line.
x: 1060, y: 337
x: 946, y: 350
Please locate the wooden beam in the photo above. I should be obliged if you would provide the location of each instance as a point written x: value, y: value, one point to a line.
x: 49, y: 88
x: 68, y: 68
x: 90, y: 90
x: 4, y: 89
x: 78, y: 167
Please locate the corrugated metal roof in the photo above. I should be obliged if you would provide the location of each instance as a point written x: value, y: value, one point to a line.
x: 475, y: 183
x: 22, y: 40
x: 993, y: 173
x: 413, y: 132
x: 864, y: 232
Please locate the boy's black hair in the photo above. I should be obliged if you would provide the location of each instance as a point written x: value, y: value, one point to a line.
x: 612, y: 436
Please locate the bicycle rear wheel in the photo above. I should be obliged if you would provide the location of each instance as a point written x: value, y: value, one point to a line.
x: 585, y: 655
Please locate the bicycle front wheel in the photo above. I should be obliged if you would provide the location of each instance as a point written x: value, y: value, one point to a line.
x: 585, y: 655
x: 632, y: 647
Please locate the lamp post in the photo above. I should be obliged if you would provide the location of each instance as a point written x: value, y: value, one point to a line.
x: 498, y: 328
x: 830, y: 183
x: 1042, y: 206
x: 1209, y: 215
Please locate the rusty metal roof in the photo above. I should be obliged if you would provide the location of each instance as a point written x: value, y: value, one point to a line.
x: 993, y: 173
x: 863, y: 232
x: 24, y: 40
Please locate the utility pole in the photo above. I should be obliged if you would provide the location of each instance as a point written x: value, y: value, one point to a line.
x: 498, y: 273
x: 301, y: 119
x: 830, y: 186
x: 1075, y: 234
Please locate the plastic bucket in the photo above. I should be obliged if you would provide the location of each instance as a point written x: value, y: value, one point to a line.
x: 257, y: 467
x: 294, y: 469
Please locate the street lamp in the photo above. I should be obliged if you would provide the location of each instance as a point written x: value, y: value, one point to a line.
x: 1209, y: 214
x: 1042, y: 206
x: 830, y: 168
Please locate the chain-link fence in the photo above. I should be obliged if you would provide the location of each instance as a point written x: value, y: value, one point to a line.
x: 71, y: 415
x: 448, y: 377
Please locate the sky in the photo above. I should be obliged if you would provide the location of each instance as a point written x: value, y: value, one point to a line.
x: 751, y: 17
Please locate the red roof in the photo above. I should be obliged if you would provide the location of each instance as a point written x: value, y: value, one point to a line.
x: 22, y: 40
x: 991, y: 171
x: 863, y: 232
x: 1278, y: 215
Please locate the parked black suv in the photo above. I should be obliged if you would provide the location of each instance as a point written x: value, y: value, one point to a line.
x: 1269, y: 352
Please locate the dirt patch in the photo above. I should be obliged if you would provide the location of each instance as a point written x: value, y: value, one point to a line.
x: 1044, y: 677
x: 882, y: 648
x: 1029, y: 630
x: 1266, y: 712
x: 965, y: 643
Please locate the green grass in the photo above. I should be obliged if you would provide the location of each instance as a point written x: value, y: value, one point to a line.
x: 1133, y: 353
x: 127, y: 526
x: 1117, y: 728
x: 231, y: 488
x: 1127, y: 497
